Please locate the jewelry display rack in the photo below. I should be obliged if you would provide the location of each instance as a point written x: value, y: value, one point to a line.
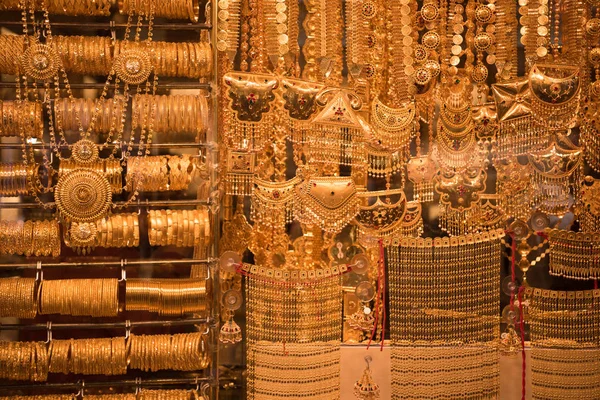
x: 206, y: 382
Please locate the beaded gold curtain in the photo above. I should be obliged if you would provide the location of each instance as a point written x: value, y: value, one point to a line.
x: 444, y: 305
x: 293, y: 338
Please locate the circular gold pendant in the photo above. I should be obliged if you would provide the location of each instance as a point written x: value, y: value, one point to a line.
x: 84, y: 152
x: 133, y: 66
x: 40, y: 62
x: 479, y: 73
x: 429, y: 12
x: 83, y: 195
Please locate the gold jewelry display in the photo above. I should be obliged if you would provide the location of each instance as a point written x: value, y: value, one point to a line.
x: 587, y: 208
x: 111, y: 169
x: 21, y: 116
x: 328, y: 202
x: 13, y: 47
x: 459, y: 199
x: 83, y: 195
x: 552, y: 170
x: 562, y: 373
x: 385, y: 216
x: 249, y: 115
x: 421, y: 172
x: 172, y: 297
x: 337, y: 133
x: 159, y: 173
x: 240, y: 173
x: 181, y: 228
x: 91, y: 297
x: 555, y: 91
x: 301, y: 370
x: 168, y: 394
x: 18, y: 298
x: 366, y: 388
x: 273, y: 202
x: 155, y: 352
x: 512, y: 185
x: 30, y: 238
x: 66, y: 7
x: 24, y: 361
x: 44, y: 397
x: 76, y: 57
x: 300, y: 104
x: 564, y: 340
x: 103, y: 356
x: 118, y: 230
x: 429, y: 372
x: 293, y: 334
x: 67, y: 110
x: 174, y: 114
x: 173, y: 9
x: 424, y: 322
x: 574, y: 255
x: 15, y: 178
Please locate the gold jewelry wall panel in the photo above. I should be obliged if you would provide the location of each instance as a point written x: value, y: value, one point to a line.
x: 108, y: 197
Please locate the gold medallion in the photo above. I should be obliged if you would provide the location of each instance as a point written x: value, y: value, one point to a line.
x: 40, y: 62
x: 133, y: 66
x: 83, y: 195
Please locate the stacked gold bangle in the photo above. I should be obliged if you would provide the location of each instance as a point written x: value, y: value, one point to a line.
x: 144, y: 394
x: 95, y: 55
x: 18, y: 297
x: 147, y: 174
x: 181, y: 352
x: 175, y: 113
x: 181, y: 59
x: 108, y: 116
x: 65, y: 7
x: 39, y: 238
x: 118, y: 230
x: 14, y: 178
x: 42, y: 397
x: 170, y: 394
x: 174, y: 9
x: 173, y: 297
x: 21, y: 116
x: 90, y: 297
x: 100, y: 356
x: 103, y: 356
x: 24, y: 361
x: 110, y: 167
x: 12, y: 47
x: 87, y: 55
x: 159, y: 173
x: 181, y: 228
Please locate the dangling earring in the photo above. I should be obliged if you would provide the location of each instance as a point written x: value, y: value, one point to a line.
x: 363, y: 318
x: 365, y: 388
x: 231, y: 331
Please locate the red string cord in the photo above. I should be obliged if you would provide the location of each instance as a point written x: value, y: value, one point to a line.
x: 384, y: 287
x: 380, y: 301
x: 512, y: 307
x: 376, y: 309
x: 522, y: 329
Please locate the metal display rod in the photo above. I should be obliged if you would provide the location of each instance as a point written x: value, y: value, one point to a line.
x: 113, y: 25
x: 103, y: 264
x: 100, y: 86
x: 146, y: 203
x: 139, y: 382
x: 39, y: 146
x: 104, y: 325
